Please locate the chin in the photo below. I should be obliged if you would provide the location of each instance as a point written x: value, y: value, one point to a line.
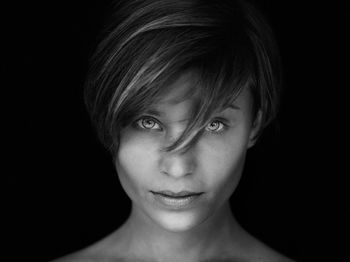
x: 178, y: 221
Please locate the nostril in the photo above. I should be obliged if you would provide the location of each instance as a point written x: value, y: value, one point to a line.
x: 177, y: 166
x: 176, y: 175
x: 177, y: 163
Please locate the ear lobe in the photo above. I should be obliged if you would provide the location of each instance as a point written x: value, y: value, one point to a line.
x: 256, y: 125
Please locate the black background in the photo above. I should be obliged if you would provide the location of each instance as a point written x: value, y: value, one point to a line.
x: 61, y: 190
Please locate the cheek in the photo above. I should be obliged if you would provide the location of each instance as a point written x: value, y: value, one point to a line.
x: 223, y: 160
x: 135, y: 162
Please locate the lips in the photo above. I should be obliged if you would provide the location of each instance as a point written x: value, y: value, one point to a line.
x: 180, y: 194
x: 176, y: 200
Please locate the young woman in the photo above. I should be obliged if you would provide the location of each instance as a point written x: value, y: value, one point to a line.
x: 178, y: 91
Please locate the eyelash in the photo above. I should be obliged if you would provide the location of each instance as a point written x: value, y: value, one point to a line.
x: 145, y: 118
x: 138, y: 124
x: 222, y: 123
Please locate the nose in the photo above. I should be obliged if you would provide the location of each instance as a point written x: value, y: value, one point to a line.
x: 180, y: 162
x: 177, y: 164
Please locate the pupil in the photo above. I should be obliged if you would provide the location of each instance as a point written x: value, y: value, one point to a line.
x: 148, y: 122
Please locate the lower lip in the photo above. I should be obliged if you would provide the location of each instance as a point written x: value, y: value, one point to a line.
x: 176, y: 203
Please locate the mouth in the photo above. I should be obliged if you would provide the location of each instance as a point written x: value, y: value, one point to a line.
x: 176, y: 201
x: 181, y: 194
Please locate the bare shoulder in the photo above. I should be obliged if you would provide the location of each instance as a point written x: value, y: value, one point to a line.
x: 97, y: 252
x: 255, y: 250
x: 264, y: 253
x: 107, y: 249
x: 76, y: 257
x: 270, y: 255
x: 87, y: 256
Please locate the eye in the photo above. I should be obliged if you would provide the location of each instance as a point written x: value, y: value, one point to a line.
x: 216, y: 126
x: 148, y: 123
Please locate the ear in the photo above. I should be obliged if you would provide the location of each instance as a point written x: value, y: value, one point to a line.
x: 256, y: 125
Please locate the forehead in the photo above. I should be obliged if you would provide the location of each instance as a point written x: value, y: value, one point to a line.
x: 177, y: 98
x: 183, y: 88
x: 181, y: 95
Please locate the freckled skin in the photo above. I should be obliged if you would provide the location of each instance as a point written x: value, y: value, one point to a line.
x: 213, y: 165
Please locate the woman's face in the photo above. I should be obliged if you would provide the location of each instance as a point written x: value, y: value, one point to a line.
x: 208, y: 172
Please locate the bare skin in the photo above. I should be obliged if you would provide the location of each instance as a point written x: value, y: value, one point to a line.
x: 203, y: 232
x: 114, y: 249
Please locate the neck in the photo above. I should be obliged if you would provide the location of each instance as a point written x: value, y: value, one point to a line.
x: 212, y: 237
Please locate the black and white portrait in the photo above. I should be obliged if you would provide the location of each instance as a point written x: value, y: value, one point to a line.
x: 170, y: 130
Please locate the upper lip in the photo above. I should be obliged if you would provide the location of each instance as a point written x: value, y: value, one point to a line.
x: 178, y: 194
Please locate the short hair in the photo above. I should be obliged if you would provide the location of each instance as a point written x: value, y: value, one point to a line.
x: 148, y: 43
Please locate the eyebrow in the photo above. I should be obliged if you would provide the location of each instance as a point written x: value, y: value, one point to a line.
x: 233, y: 106
x: 155, y: 112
